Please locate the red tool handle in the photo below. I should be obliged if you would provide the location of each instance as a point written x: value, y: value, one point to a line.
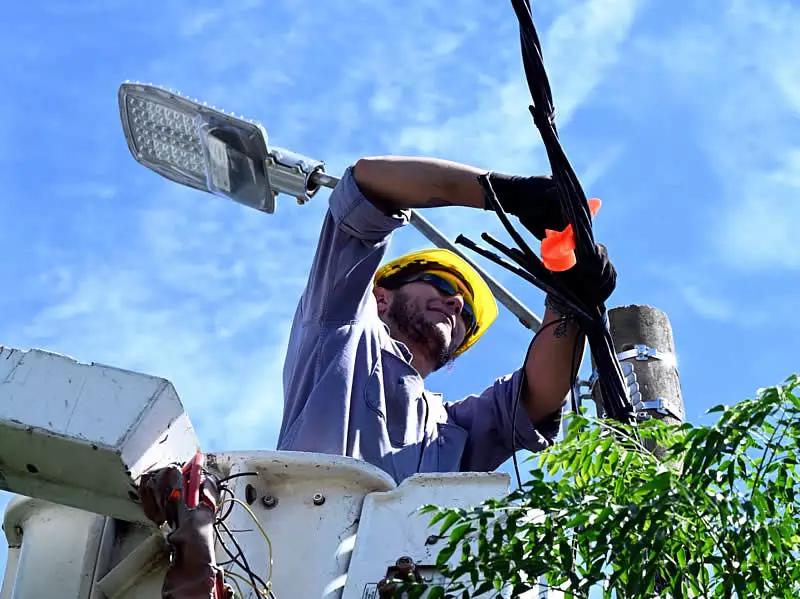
x: 195, y: 473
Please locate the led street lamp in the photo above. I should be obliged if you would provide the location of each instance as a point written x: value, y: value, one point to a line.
x: 208, y: 149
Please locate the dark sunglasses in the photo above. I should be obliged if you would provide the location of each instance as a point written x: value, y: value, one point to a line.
x: 443, y: 285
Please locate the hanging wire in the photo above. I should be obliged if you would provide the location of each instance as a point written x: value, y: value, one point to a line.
x: 261, y: 587
x: 575, y: 207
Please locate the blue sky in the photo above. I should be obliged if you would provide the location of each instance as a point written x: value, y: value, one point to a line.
x: 684, y: 118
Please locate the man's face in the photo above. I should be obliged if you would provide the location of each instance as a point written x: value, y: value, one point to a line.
x: 425, y: 317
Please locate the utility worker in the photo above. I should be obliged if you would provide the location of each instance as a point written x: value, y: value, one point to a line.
x: 364, y: 338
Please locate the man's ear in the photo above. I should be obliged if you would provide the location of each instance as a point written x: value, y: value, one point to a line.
x: 383, y: 298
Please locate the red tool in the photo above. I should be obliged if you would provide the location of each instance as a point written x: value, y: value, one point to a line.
x: 186, y: 499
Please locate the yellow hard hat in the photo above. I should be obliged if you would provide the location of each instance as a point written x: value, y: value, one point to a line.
x: 476, y: 291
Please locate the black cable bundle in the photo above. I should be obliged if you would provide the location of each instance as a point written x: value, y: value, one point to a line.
x: 574, y: 206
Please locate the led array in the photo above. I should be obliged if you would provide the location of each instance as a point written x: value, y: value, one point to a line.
x: 162, y: 133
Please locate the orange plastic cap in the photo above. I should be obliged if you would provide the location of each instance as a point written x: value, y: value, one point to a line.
x: 558, y: 247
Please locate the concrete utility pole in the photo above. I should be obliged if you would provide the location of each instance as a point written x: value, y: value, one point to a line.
x: 643, y: 338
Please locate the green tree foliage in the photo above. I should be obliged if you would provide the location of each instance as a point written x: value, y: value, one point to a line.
x: 715, y: 517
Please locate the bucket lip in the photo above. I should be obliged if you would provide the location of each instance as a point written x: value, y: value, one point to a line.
x: 302, y: 464
x: 20, y: 508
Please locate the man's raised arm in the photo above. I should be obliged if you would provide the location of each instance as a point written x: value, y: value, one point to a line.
x: 398, y: 183
x: 395, y: 183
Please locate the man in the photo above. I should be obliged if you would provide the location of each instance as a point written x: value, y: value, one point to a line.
x: 363, y: 339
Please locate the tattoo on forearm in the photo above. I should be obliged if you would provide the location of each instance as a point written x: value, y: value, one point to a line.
x: 556, y: 307
x: 560, y: 330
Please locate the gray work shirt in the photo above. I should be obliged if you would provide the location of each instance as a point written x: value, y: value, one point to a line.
x: 350, y: 389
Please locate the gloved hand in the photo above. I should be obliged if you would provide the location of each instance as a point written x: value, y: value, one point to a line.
x: 533, y: 200
x: 593, y: 279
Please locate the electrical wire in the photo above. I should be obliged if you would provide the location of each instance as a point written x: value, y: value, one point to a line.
x: 574, y: 206
x: 424, y: 434
x: 255, y: 579
x: 237, y: 475
x: 236, y: 583
x: 224, y: 489
x: 576, y: 398
x: 238, y: 577
x: 239, y: 559
x: 239, y: 502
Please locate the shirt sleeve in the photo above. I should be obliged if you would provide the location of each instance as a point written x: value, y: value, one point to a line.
x: 354, y: 238
x: 487, y: 419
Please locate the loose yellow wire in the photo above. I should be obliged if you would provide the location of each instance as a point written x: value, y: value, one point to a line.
x: 262, y: 593
x: 236, y: 583
x: 260, y: 527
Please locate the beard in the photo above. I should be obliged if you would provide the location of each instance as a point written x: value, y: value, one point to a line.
x: 409, y: 324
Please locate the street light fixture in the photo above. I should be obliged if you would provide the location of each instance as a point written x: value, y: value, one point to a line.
x: 208, y: 149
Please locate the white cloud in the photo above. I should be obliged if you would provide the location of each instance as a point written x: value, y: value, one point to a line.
x: 759, y: 230
x: 715, y: 300
x: 198, y: 22
x: 579, y: 48
x: 706, y: 304
x: 694, y: 292
x: 201, y: 295
x: 756, y: 144
x: 737, y: 70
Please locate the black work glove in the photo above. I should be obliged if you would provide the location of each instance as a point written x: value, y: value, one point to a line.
x: 592, y: 279
x: 533, y: 200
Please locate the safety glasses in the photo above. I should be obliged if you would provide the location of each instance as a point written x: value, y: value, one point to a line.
x: 443, y: 285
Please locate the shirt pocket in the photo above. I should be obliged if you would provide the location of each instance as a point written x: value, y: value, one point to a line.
x: 450, y: 443
x: 397, y: 396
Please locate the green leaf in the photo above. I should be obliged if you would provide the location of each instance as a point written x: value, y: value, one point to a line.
x: 681, y: 557
x: 658, y: 483
x: 445, y: 554
x: 436, y: 592
x: 449, y: 520
x: 577, y: 520
x: 460, y: 531
x: 436, y: 518
x: 484, y: 587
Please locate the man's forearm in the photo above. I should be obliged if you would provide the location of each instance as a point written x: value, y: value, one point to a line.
x: 550, y: 363
x: 398, y: 183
